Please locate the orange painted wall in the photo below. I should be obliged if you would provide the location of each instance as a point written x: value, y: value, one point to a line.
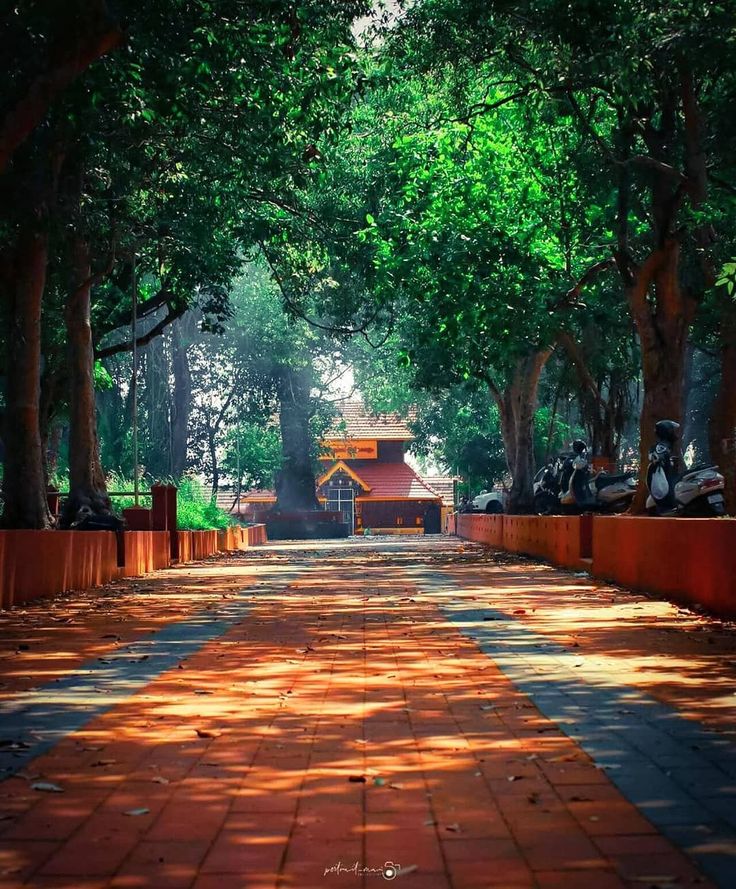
x: 562, y: 540
x: 145, y: 551
x: 256, y: 535
x: 204, y: 543
x: 37, y: 564
x: 481, y: 528
x: 690, y: 560
x: 42, y: 563
x: 239, y: 537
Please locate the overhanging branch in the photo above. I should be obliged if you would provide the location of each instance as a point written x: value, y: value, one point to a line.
x: 156, y: 330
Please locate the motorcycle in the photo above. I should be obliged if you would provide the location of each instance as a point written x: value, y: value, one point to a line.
x: 583, y: 491
x: 697, y: 492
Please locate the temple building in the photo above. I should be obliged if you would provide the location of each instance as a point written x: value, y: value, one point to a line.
x: 366, y: 477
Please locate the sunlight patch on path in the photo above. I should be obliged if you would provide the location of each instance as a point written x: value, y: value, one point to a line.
x: 681, y: 776
x: 33, y: 721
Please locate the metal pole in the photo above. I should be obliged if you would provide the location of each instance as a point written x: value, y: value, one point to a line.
x: 134, y: 382
x: 237, y: 446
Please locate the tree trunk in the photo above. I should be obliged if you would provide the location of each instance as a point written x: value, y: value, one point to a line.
x: 517, y: 405
x: 53, y: 390
x: 508, y: 428
x: 87, y: 489
x: 599, y: 413
x: 53, y: 447
x: 212, y: 443
x: 24, y: 479
x: 523, y: 400
x: 182, y: 402
x: 722, y: 429
x: 663, y: 331
x: 295, y: 482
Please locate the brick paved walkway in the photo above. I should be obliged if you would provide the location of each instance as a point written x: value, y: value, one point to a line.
x: 300, y: 716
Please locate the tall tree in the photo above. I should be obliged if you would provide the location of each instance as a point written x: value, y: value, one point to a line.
x: 646, y: 85
x: 180, y: 140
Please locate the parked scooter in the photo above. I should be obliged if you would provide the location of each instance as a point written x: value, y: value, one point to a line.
x: 698, y: 492
x: 547, y: 486
x: 583, y: 491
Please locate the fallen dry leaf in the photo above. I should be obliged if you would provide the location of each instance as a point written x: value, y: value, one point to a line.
x: 47, y: 787
x: 206, y: 733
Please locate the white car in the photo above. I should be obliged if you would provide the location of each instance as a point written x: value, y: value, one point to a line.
x: 488, y: 501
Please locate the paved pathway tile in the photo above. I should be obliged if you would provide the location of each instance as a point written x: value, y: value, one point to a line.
x: 359, y: 719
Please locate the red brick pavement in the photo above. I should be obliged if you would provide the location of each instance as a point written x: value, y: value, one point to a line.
x: 341, y: 725
x: 681, y: 656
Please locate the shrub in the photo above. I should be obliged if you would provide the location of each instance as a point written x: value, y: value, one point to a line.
x: 195, y: 509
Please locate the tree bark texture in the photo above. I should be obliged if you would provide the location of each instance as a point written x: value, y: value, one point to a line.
x: 296, y: 483
x: 87, y: 486
x: 182, y: 403
x: 663, y: 325
x: 722, y: 428
x: 214, y: 463
x: 603, y: 415
x: 24, y: 478
x: 517, y: 405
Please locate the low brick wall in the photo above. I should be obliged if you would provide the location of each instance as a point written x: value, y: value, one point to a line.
x: 229, y: 540
x: 37, y: 564
x: 562, y: 540
x: 145, y: 551
x: 692, y: 561
x: 204, y: 543
x: 41, y: 563
x: 181, y: 546
x: 255, y: 535
x: 481, y: 528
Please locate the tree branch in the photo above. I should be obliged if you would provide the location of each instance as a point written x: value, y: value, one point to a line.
x: 343, y: 331
x: 575, y: 354
x: 589, y: 129
x: 645, y: 160
x: 572, y: 295
x: 71, y: 61
x: 156, y: 330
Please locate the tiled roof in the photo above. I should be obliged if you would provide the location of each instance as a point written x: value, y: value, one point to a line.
x: 391, y: 480
x: 257, y: 495
x: 356, y: 421
x: 442, y: 485
x: 384, y: 479
x: 228, y: 499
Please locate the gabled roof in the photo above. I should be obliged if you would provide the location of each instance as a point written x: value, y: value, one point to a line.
x: 346, y: 469
x: 443, y: 485
x: 392, y: 481
x: 357, y: 421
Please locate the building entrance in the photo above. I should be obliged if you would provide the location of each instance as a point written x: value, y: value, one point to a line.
x: 342, y: 500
